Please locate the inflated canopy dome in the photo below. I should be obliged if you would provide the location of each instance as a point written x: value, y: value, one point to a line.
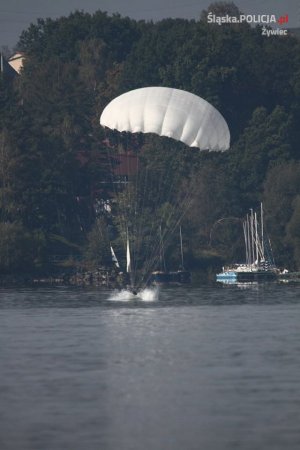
x: 168, y: 112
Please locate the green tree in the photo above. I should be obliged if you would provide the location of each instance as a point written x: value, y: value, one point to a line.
x: 53, y: 163
x: 263, y: 144
x: 16, y: 249
x: 221, y: 9
x: 293, y: 231
x: 98, y: 246
x: 281, y: 188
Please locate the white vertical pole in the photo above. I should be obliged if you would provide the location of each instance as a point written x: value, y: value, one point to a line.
x: 245, y: 237
x: 128, y: 265
x: 262, y: 230
x: 252, y: 236
x: 248, y: 238
x: 256, y: 237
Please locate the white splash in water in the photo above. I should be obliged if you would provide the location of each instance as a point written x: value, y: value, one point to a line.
x: 149, y: 294
x: 146, y: 295
x: 121, y: 296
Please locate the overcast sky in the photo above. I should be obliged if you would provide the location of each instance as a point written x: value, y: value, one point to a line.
x: 16, y: 15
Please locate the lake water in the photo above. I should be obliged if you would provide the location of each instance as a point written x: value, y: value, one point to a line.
x: 197, y: 368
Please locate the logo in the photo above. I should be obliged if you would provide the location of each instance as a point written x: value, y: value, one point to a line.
x: 259, y: 19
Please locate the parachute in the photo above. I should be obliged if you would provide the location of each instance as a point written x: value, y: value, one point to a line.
x: 168, y: 112
x: 148, y: 202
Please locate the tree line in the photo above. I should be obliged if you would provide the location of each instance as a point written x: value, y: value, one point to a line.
x: 53, y: 152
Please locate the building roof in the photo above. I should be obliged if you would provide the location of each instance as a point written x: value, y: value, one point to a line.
x: 5, y: 68
x: 126, y: 164
x: 16, y: 61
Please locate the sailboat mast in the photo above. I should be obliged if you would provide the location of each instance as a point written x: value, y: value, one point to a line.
x: 256, y: 237
x: 245, y: 238
x: 252, y: 237
x: 262, y: 231
x: 248, y: 240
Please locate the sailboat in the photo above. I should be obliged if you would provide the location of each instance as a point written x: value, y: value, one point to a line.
x: 163, y: 275
x: 259, y: 263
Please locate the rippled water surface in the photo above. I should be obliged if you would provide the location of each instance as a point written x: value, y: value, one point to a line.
x: 207, y: 368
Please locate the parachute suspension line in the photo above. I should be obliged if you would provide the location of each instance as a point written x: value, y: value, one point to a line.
x: 128, y: 207
x: 154, y: 240
x: 152, y: 232
x: 174, y: 219
x: 166, y: 237
x: 165, y: 191
x: 159, y: 102
x: 134, y: 231
x: 176, y: 209
x: 109, y: 157
x: 115, y: 183
x: 127, y: 200
x: 138, y: 213
x: 147, y: 186
x: 142, y: 224
x: 154, y: 253
x: 129, y: 211
x: 151, y: 257
x: 162, y: 251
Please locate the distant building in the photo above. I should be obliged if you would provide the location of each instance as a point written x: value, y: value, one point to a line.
x: 125, y: 165
x: 16, y: 61
x: 5, y: 69
x: 119, y: 167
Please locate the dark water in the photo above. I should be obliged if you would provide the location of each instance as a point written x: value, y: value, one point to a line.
x: 212, y: 368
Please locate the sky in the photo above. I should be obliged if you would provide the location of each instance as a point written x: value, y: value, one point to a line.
x: 17, y: 15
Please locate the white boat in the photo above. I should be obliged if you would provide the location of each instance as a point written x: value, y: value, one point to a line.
x: 259, y: 263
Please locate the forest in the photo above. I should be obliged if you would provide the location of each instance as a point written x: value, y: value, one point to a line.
x: 54, y: 171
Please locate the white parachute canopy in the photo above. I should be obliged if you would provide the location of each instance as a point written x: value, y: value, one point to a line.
x: 168, y: 112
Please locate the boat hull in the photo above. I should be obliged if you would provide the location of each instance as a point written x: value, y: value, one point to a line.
x: 262, y: 275
x: 180, y: 276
